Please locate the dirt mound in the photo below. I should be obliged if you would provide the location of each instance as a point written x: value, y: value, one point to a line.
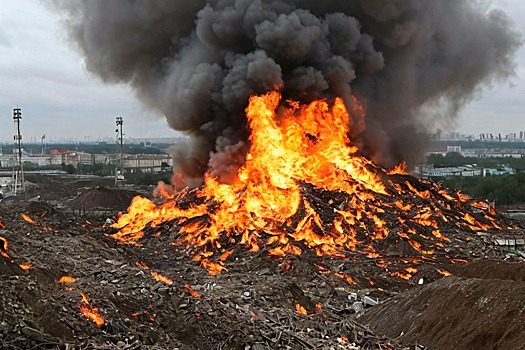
x: 60, y: 187
x: 490, y: 269
x: 37, y: 207
x: 103, y: 198
x: 455, y: 313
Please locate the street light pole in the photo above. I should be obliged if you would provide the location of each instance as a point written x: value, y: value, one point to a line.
x: 18, y: 170
x: 120, y: 149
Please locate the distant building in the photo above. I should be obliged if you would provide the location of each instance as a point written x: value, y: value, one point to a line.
x: 466, y: 170
x: 453, y: 149
x: 482, y: 152
x: 429, y: 171
x: 104, y: 158
x: 500, y: 171
x: 7, y: 161
x: 147, y: 163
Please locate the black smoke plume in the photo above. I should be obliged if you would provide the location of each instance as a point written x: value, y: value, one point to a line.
x: 412, y: 63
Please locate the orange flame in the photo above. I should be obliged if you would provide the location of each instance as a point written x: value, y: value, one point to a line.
x: 25, y: 266
x: 67, y: 279
x: 444, y: 272
x: 474, y: 224
x: 145, y: 312
x: 90, y: 312
x: 28, y: 219
x: 160, y: 278
x: 4, y: 247
x: 225, y: 255
x: 141, y: 264
x: 417, y: 246
x: 190, y: 290
x: 404, y: 275
x: 300, y: 309
x: 308, y: 143
x: 456, y: 261
x: 462, y: 198
x: 212, y: 267
x: 346, y: 277
x: 400, y: 169
x: 439, y: 235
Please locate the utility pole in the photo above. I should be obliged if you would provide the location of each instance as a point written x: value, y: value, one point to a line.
x: 120, y: 150
x: 18, y: 168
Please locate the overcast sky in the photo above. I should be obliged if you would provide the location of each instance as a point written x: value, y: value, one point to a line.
x: 42, y: 74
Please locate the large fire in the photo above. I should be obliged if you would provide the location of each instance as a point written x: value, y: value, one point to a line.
x: 296, y: 148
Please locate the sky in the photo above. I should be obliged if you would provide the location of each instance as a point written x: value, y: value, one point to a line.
x: 43, y: 74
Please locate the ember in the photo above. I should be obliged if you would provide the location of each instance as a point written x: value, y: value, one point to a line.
x: 66, y: 279
x: 190, y: 290
x: 4, y: 247
x: 28, y: 219
x: 25, y: 266
x: 141, y: 264
x: 300, y: 309
x: 444, y: 272
x: 90, y: 312
x: 160, y: 278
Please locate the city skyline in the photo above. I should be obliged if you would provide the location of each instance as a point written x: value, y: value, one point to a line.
x: 41, y: 73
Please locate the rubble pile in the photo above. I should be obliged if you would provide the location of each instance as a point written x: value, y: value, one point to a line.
x: 254, y: 305
x: 59, y: 272
x: 425, y: 232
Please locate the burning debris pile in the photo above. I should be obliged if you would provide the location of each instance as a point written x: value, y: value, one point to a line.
x: 302, y: 189
x: 67, y: 283
x: 293, y: 214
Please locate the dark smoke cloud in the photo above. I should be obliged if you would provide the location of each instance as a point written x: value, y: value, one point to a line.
x: 197, y: 62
